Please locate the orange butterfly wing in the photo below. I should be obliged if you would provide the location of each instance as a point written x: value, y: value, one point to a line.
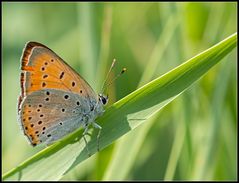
x: 42, y: 68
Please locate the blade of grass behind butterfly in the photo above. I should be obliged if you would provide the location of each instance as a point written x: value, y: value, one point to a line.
x: 134, y: 109
x: 87, y: 46
x: 135, y: 139
x: 212, y: 29
x: 105, y: 46
x: 208, y: 150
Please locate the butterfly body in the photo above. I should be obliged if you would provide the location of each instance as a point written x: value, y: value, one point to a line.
x: 54, y: 100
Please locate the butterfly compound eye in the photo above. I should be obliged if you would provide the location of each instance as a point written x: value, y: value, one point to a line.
x: 103, y: 99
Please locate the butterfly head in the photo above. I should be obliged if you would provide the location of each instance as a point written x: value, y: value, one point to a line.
x: 103, y: 99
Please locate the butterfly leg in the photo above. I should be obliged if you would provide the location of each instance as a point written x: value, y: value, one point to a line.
x: 86, y: 143
x: 98, y: 135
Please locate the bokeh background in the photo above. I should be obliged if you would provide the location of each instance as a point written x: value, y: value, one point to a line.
x: 193, y: 138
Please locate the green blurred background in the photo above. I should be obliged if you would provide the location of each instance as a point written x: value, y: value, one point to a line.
x: 194, y: 137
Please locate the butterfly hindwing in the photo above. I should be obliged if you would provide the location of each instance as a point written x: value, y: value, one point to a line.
x: 50, y: 114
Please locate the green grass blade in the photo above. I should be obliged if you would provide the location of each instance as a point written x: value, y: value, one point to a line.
x: 105, y: 45
x: 209, y: 149
x: 120, y: 118
x: 86, y: 39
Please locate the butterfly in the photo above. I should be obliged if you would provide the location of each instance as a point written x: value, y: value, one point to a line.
x: 54, y: 100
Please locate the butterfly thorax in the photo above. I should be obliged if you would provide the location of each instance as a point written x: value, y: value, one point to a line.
x: 96, y: 109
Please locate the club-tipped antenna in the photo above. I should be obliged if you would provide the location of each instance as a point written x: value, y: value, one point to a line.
x: 106, y: 85
x: 116, y: 77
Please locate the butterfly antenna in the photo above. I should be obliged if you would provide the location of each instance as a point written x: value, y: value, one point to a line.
x: 116, y: 77
x: 107, y: 76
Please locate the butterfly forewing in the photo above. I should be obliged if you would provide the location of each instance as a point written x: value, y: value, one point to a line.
x: 42, y: 68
